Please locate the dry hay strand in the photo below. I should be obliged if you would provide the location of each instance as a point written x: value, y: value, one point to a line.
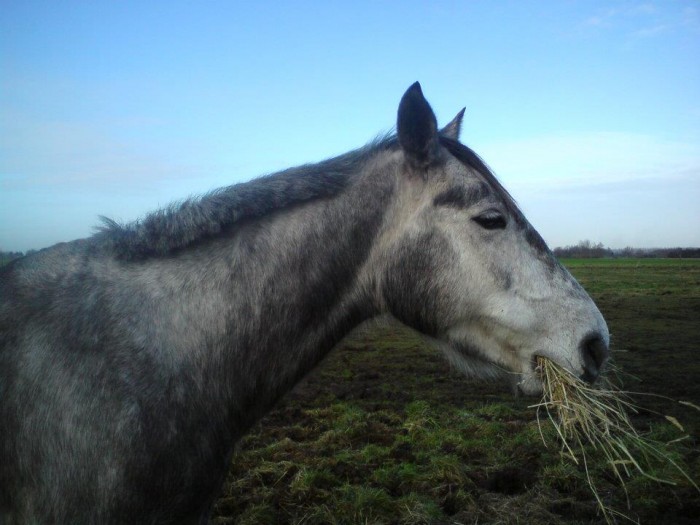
x: 587, y: 417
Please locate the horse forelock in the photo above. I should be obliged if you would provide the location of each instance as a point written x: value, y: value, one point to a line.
x: 183, y: 223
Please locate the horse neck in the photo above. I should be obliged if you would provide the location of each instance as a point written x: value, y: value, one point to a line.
x: 300, y: 284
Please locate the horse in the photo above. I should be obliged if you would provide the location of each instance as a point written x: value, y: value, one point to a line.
x: 133, y: 360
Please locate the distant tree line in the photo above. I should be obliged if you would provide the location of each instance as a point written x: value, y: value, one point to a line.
x: 6, y: 257
x: 588, y: 250
x: 666, y: 253
x: 583, y: 250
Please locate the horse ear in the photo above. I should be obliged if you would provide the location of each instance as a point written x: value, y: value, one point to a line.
x: 451, y: 131
x: 417, y: 127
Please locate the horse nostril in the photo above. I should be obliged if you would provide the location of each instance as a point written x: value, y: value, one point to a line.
x: 595, y: 353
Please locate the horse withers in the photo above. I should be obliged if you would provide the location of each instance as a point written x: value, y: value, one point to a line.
x: 132, y: 361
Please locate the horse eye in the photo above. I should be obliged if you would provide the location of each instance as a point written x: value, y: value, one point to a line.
x: 491, y: 220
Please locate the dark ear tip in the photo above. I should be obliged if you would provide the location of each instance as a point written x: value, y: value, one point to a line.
x: 416, y: 87
x: 413, y: 92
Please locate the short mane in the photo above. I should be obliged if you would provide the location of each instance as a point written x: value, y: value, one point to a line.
x: 184, y: 223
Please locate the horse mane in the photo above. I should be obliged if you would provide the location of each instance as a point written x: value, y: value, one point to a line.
x: 183, y: 223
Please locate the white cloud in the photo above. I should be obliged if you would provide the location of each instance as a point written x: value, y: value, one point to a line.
x: 646, y: 8
x: 74, y: 154
x: 604, y: 18
x: 691, y: 18
x: 648, y: 32
x: 589, y: 158
x: 644, y: 20
x: 56, y: 177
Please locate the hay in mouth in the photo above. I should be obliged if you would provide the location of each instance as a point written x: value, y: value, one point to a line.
x: 590, y: 420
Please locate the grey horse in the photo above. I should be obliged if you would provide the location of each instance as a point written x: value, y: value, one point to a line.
x: 132, y: 361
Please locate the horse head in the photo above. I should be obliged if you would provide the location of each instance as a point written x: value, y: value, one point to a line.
x: 462, y: 265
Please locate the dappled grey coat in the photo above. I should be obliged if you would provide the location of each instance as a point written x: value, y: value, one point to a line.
x: 132, y: 361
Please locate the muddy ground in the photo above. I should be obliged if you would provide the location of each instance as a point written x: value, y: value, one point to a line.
x: 384, y: 432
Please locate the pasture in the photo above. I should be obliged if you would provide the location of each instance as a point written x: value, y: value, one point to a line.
x: 384, y: 432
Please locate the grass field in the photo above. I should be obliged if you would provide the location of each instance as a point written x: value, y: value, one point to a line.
x: 385, y: 432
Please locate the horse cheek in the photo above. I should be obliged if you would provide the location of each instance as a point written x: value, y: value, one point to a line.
x: 416, y: 290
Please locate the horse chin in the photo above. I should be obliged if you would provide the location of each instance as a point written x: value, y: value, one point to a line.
x: 475, y: 364
x: 528, y: 384
x: 527, y: 381
x: 472, y: 363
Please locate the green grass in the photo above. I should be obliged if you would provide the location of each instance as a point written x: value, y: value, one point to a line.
x: 384, y: 432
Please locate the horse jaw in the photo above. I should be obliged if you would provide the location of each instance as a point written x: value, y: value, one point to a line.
x: 505, y: 339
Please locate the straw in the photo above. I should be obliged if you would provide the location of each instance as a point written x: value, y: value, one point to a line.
x: 586, y: 417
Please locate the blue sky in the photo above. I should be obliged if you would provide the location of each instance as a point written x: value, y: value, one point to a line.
x: 588, y: 111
